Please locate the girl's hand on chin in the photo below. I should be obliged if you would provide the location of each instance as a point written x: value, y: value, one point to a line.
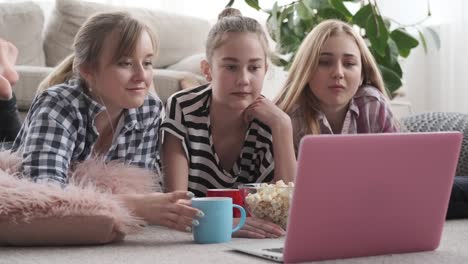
x: 267, y: 112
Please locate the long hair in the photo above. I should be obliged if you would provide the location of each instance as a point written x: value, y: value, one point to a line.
x: 88, y: 43
x: 296, y: 92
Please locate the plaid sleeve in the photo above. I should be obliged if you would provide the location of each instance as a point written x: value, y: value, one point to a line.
x: 49, y: 140
x: 380, y: 116
x: 148, y: 155
x: 374, y: 111
x: 174, y: 122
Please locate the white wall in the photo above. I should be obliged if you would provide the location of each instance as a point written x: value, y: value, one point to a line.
x: 436, y: 80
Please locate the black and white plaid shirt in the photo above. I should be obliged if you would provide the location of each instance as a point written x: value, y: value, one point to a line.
x: 59, y: 131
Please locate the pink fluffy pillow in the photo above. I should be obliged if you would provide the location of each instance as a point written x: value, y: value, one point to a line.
x: 86, y: 211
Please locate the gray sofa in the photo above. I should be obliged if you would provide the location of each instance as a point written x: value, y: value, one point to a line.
x: 442, y: 121
x: 43, y: 45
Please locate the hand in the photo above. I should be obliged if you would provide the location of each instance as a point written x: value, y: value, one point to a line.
x: 172, y: 210
x: 258, y: 228
x: 8, y: 75
x: 267, y: 112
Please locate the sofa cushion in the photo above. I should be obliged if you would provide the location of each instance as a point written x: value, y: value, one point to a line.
x: 179, y: 36
x: 167, y: 82
x: 22, y: 24
x: 190, y: 64
x: 26, y: 87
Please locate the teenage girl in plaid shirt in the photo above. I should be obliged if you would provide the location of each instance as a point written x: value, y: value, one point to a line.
x: 334, y: 86
x: 96, y: 104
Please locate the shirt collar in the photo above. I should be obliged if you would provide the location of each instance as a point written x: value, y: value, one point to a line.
x: 207, y: 101
x: 353, y: 107
x: 351, y: 113
x: 131, y: 119
x: 131, y: 116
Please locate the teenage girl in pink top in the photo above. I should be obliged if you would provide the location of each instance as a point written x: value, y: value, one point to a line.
x: 334, y: 86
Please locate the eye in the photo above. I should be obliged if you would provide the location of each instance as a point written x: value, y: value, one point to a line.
x: 231, y: 67
x: 254, y: 68
x: 349, y: 64
x: 148, y: 63
x: 124, y: 63
x: 325, y: 62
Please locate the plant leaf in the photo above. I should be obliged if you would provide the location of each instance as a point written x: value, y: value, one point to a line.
x: 253, y: 4
x: 303, y: 10
x: 229, y: 4
x: 391, y: 79
x: 404, y: 41
x: 277, y: 60
x: 377, y: 34
x: 275, y: 26
x: 434, y: 35
x: 330, y: 13
x: 317, y: 4
x: 390, y: 61
x: 393, y: 48
x: 362, y: 15
x: 423, y: 40
x: 340, y: 7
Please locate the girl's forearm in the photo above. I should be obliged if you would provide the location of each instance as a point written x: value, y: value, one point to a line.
x: 284, y: 156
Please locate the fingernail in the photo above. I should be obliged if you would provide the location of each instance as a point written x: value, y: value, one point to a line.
x: 200, y: 214
x: 195, y: 222
x: 188, y: 229
x: 190, y: 195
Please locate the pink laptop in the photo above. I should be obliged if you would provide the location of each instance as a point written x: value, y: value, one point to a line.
x: 368, y: 194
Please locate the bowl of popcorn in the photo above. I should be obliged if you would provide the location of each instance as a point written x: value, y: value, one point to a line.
x: 268, y: 201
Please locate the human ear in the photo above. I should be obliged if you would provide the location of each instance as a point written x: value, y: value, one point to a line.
x: 205, y: 68
x: 87, y: 73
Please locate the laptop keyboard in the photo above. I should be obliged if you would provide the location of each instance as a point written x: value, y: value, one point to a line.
x: 276, y: 250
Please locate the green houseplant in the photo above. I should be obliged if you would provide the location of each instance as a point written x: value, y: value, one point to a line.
x: 387, y: 39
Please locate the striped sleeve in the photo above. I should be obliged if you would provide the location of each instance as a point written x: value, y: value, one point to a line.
x: 174, y: 123
x: 264, y: 167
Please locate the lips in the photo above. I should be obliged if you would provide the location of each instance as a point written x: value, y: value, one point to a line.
x: 241, y: 94
x: 336, y: 86
x: 136, y: 88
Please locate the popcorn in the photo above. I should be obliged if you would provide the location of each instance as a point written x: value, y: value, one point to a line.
x: 271, y: 202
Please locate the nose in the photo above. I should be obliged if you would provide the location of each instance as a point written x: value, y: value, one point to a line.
x: 138, y: 72
x: 338, y: 71
x: 243, y: 77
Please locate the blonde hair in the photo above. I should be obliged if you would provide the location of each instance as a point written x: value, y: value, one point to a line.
x: 231, y: 20
x: 295, y: 91
x: 88, y: 44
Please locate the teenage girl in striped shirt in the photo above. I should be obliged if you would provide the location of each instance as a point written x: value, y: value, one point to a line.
x: 223, y: 134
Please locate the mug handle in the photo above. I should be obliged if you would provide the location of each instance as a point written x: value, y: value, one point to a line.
x: 242, y: 219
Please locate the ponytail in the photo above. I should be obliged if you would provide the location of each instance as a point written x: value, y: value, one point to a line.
x: 61, y: 73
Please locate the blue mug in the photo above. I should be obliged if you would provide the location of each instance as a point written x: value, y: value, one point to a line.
x: 216, y: 225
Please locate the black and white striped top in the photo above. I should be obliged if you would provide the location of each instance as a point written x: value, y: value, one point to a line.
x: 188, y: 118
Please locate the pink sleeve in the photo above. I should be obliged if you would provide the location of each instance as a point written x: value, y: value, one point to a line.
x: 384, y: 122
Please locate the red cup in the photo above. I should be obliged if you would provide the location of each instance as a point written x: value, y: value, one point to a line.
x: 232, y: 193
